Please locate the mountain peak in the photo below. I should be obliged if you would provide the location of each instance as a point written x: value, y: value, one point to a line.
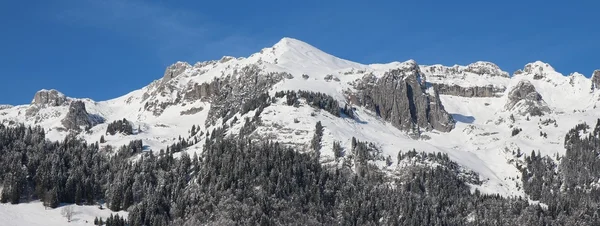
x: 484, y: 64
x: 286, y: 45
x: 538, y: 69
x: 175, y: 70
x: 538, y: 65
x: 50, y: 97
x: 298, y: 55
x: 292, y: 42
x: 486, y: 68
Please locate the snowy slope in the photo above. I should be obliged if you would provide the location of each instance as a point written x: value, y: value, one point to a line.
x: 34, y: 214
x: 481, y: 140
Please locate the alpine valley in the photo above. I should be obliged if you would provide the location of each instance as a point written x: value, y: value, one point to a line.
x: 292, y: 135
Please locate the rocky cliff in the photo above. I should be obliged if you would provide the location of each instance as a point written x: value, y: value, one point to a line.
x: 78, y: 118
x: 400, y: 97
x: 49, y: 98
x: 596, y: 80
x: 475, y: 91
x: 175, y: 70
x: 228, y: 94
x: 524, y: 99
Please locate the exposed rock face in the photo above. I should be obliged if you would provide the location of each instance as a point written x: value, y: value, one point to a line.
x: 191, y: 111
x: 486, y: 68
x: 49, y: 98
x: 400, y: 98
x: 457, y: 80
x: 596, y: 80
x: 480, y: 68
x: 476, y: 91
x: 231, y: 92
x: 158, y: 98
x: 78, y: 117
x: 524, y: 99
x: 202, y: 91
x: 175, y: 70
x: 538, y: 69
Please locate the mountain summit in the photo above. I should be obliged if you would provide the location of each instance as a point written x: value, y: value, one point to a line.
x: 295, y: 54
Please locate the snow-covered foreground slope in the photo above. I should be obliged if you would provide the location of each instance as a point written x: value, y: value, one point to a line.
x: 481, y: 140
x: 34, y: 214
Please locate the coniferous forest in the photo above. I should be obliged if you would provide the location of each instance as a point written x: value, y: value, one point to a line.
x: 236, y: 181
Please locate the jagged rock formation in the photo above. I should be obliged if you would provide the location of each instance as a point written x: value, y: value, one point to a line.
x: 524, y: 99
x: 486, y: 68
x: 165, y: 88
x: 466, y: 81
x: 78, y: 117
x: 400, y: 98
x: 233, y: 91
x: 202, y: 91
x: 45, y: 98
x: 49, y: 98
x: 175, y: 70
x: 596, y: 80
x: 476, y: 91
x: 538, y: 69
x: 479, y: 68
x: 5, y: 106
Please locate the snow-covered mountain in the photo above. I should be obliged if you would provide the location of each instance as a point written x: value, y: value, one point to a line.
x: 468, y: 112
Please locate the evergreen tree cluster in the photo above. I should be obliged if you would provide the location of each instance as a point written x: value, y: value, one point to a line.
x: 134, y: 147
x: 338, y: 150
x: 413, y: 157
x: 120, y: 126
x: 115, y: 220
x: 181, y: 144
x: 240, y: 182
x: 314, y: 99
x: 348, y: 110
x: 261, y: 102
x: 363, y: 153
x: 569, y: 185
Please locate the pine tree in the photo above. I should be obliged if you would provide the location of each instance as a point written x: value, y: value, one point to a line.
x: 316, y: 141
x: 337, y: 150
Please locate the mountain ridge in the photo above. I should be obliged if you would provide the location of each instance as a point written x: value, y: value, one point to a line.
x: 397, y: 105
x: 288, y: 44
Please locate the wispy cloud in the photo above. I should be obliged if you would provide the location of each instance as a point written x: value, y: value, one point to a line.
x: 171, y: 32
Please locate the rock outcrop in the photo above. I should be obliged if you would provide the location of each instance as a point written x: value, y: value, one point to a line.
x: 476, y: 91
x: 175, y: 70
x: 228, y: 94
x: 596, y: 80
x: 401, y: 98
x: 538, y: 69
x: 202, y: 91
x: 479, y: 79
x: 486, y: 68
x: 78, y: 118
x: 49, y: 98
x: 524, y: 99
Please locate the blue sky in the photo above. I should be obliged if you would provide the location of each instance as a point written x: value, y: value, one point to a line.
x: 104, y: 49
